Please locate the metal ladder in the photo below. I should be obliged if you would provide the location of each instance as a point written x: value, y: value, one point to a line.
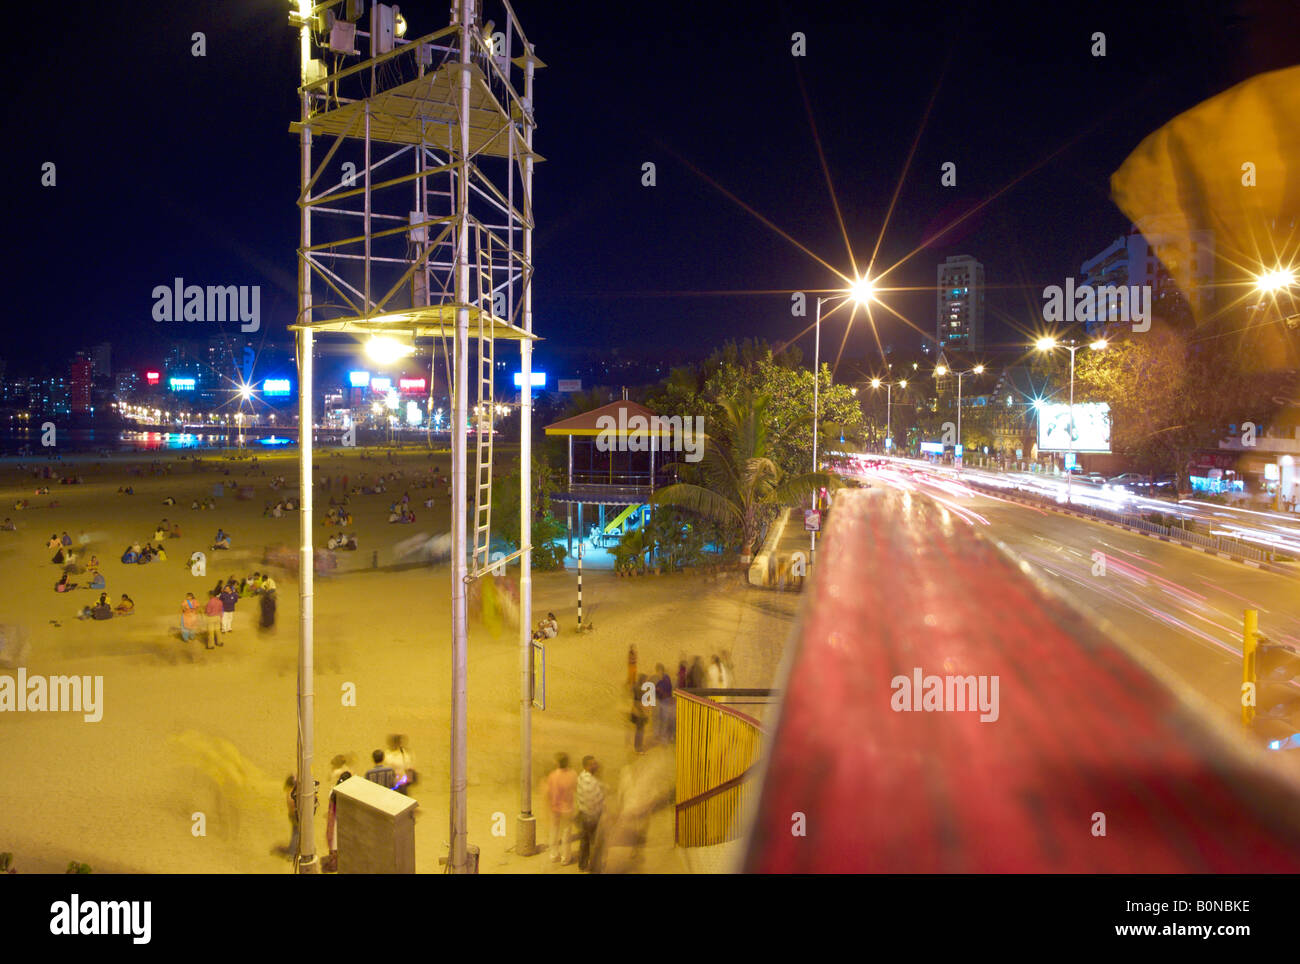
x: 483, y: 409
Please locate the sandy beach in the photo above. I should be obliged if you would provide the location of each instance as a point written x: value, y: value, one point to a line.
x: 187, y: 731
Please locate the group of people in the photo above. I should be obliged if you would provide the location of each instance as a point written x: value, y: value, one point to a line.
x: 221, y: 540
x: 208, y: 503
x: 125, y: 490
x: 342, y: 541
x: 277, y: 509
x: 336, y: 515
x: 392, y: 768
x: 163, y: 531
x: 138, y: 554
x: 403, y: 517
x: 576, y: 800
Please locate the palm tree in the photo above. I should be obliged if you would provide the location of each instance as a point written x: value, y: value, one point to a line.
x: 736, y: 477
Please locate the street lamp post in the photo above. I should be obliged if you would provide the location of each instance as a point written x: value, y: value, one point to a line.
x: 889, y: 406
x: 942, y: 370
x: 861, y: 293
x: 1045, y: 345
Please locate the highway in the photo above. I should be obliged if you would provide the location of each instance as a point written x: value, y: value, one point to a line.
x: 1177, y: 606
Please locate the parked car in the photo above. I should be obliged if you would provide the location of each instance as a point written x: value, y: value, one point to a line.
x: 1096, y: 478
x: 1165, y: 483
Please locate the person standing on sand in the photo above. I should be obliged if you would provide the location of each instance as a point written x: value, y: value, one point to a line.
x: 631, y: 665
x: 189, y: 617
x: 561, y: 788
x: 212, y: 613
x: 228, y: 599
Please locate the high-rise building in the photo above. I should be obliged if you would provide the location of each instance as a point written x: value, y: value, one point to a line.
x: 960, y: 324
x: 79, y: 381
x: 101, y: 356
x: 1131, y: 261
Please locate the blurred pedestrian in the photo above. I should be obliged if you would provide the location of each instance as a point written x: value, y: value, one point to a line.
x: 695, y: 675
x: 212, y: 612
x: 267, y: 605
x: 631, y: 665
x: 561, y: 787
x: 291, y: 803
x: 640, y: 715
x: 591, y: 802
x: 713, y: 678
x: 189, y: 617
x: 681, y: 674
x: 664, y: 710
x: 381, y: 773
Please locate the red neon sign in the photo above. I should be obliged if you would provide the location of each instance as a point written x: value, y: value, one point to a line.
x: 411, y: 384
x: 152, y: 377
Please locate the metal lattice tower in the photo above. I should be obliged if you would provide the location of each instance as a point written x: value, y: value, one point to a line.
x: 416, y: 224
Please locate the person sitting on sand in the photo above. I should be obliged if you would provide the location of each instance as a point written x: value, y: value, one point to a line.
x: 8, y: 525
x: 102, y: 610
x: 160, y: 553
x: 169, y: 501
x: 176, y: 530
x: 53, y: 543
x: 159, y: 534
x: 60, y: 557
x: 63, y: 585
x: 126, y: 607
x: 222, y: 541
x: 194, y: 504
x: 97, y: 581
x: 131, y: 556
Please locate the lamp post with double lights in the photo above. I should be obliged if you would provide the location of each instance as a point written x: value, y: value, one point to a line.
x: 939, y: 372
x: 1047, y: 344
x: 889, y: 405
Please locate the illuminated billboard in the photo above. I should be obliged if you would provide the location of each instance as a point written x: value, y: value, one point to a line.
x: 381, y: 386
x: 539, y: 379
x: 152, y: 377
x: 276, y: 386
x: 359, y: 379
x: 181, y: 384
x: 411, y: 384
x: 1091, y: 427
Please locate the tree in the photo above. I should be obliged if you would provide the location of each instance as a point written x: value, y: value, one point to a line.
x: 737, y: 480
x: 545, y: 530
x: 1175, y: 390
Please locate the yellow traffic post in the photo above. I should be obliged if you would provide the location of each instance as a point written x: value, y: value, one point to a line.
x: 1249, y: 643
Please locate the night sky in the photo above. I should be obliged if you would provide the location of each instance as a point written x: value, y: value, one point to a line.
x: 173, y: 165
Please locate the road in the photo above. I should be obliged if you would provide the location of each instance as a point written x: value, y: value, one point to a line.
x: 1177, y: 606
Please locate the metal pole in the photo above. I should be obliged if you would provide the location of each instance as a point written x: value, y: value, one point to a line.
x: 305, y: 861
x: 1069, y: 471
x: 459, y: 616
x: 1249, y: 644
x: 526, y: 825
x: 580, y: 546
x: 889, y: 411
x: 817, y: 378
x: 959, y: 374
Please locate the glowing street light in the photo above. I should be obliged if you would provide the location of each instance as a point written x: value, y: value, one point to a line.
x: 939, y: 372
x: 889, y: 406
x: 1271, y: 282
x: 862, y: 290
x: 384, y: 349
x: 1046, y: 344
